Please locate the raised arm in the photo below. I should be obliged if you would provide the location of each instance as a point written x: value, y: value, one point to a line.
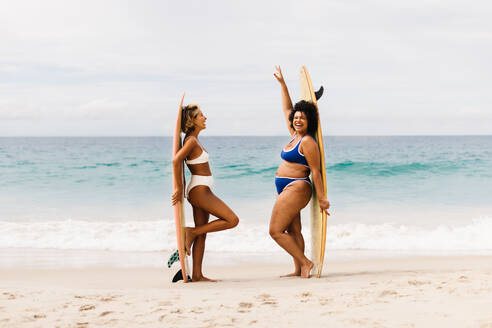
x: 179, y: 157
x: 286, y: 102
x: 310, y: 150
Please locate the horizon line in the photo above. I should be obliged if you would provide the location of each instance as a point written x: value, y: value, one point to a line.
x: 242, y: 135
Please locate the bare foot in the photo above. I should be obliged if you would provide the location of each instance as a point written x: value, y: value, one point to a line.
x: 189, y: 239
x: 306, y: 269
x: 202, y: 278
x: 293, y: 274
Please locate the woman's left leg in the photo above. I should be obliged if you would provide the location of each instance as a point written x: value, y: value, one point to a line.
x: 289, y: 203
x: 202, y: 197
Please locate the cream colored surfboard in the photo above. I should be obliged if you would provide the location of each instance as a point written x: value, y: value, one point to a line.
x: 179, y: 218
x: 318, y: 220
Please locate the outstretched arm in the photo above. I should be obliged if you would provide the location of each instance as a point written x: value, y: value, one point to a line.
x: 286, y: 102
x: 311, y: 152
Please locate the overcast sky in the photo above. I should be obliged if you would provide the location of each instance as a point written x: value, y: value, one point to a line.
x: 119, y: 67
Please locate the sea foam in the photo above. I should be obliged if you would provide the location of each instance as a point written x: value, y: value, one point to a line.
x: 144, y: 236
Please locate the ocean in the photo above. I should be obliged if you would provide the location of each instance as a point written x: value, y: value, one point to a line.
x: 111, y: 195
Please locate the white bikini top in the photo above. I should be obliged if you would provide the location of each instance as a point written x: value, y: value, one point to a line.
x: 203, y: 158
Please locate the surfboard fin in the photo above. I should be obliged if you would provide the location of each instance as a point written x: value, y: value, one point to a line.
x: 179, y: 276
x: 319, y: 93
x: 173, y: 258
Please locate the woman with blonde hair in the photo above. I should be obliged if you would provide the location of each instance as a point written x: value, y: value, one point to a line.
x: 199, y: 191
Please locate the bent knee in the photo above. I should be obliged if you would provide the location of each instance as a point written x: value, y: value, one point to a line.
x: 234, y: 221
x: 275, y: 234
x: 294, y: 231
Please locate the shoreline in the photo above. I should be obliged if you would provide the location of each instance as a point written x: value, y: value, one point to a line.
x: 55, y: 259
x: 385, y: 292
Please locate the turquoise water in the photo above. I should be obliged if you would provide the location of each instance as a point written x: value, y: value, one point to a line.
x: 137, y: 171
x: 416, y: 181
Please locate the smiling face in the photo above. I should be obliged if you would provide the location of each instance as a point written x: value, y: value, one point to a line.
x: 300, y: 122
x: 199, y: 120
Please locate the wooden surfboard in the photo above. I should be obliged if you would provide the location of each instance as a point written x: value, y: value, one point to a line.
x: 179, y: 218
x: 318, y: 220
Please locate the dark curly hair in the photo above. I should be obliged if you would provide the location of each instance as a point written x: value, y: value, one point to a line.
x: 311, y: 112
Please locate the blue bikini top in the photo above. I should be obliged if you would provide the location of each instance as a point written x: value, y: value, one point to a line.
x: 294, y: 155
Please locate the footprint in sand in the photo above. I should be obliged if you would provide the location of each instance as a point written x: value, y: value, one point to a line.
x: 418, y: 283
x: 244, y: 306
x: 387, y: 293
x: 108, y: 299
x: 305, y: 297
x: 264, y: 296
x: 10, y: 296
x: 266, y: 299
x: 87, y: 307
x: 158, y: 310
x: 105, y: 313
x: 197, y: 310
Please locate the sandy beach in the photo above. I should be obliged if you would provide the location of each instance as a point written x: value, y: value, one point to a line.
x: 399, y: 292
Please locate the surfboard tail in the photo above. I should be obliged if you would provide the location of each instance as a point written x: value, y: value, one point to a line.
x: 179, y: 219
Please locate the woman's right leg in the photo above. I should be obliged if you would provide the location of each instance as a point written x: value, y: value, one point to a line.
x: 202, y: 197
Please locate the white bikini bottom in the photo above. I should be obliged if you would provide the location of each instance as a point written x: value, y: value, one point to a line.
x: 199, y: 180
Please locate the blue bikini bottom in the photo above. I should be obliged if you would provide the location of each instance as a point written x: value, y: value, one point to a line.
x: 281, y: 182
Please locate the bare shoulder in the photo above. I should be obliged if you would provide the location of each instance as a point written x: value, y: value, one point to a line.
x: 308, y: 141
x: 308, y: 145
x: 192, y: 140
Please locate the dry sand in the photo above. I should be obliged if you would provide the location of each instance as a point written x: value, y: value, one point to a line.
x: 403, y: 292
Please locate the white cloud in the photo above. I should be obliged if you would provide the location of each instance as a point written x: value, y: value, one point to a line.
x: 116, y: 61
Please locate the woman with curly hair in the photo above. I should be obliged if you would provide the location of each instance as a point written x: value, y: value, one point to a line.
x: 300, y: 157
